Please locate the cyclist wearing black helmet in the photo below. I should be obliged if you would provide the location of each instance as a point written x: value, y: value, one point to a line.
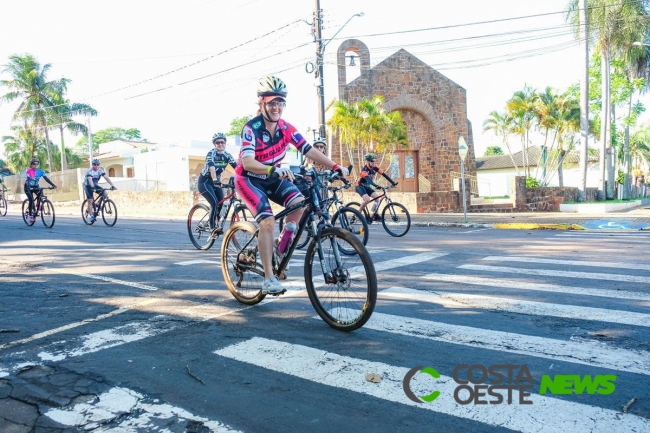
x: 265, y: 139
x: 209, y: 183
x: 365, y: 181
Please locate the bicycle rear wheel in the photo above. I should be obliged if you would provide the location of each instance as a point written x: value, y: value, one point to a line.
x: 3, y: 206
x: 351, y: 220
x: 357, y: 206
x: 198, y: 227
x: 396, y: 219
x: 346, y: 300
x: 109, y: 212
x: 25, y: 210
x: 242, y: 269
x: 47, y: 214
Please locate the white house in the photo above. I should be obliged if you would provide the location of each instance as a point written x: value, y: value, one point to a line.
x: 495, y: 172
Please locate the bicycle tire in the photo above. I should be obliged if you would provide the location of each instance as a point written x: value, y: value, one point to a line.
x: 351, y: 220
x: 198, y: 227
x: 109, y: 212
x: 25, y: 210
x: 47, y: 214
x: 357, y: 206
x: 305, y: 236
x: 392, y: 216
x: 324, y: 297
x: 244, y: 284
x: 85, y: 216
x: 3, y: 206
x: 241, y: 213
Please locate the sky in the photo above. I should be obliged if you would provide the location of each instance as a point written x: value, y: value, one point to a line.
x: 181, y: 70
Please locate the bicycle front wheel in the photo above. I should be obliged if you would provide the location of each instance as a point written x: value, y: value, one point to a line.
x: 344, y: 298
x: 3, y: 206
x: 396, y: 219
x: 26, y: 213
x: 351, y: 220
x: 198, y: 227
x: 242, y: 268
x: 86, y: 214
x: 47, y: 214
x: 109, y: 212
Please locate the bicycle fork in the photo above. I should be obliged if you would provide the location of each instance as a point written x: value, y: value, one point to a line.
x: 328, y: 274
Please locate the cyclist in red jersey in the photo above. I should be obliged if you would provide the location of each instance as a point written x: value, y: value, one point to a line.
x: 364, y: 182
x: 265, y: 139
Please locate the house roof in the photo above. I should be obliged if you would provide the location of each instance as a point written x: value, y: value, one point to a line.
x: 534, y: 158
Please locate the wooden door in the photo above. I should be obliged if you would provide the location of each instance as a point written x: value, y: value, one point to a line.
x: 404, y: 170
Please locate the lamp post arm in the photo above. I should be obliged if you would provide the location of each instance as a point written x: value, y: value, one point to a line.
x: 360, y: 14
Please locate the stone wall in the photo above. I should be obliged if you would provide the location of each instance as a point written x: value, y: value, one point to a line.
x: 543, y: 198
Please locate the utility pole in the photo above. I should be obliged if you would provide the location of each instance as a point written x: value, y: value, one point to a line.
x: 318, y: 28
x: 584, y: 104
x: 90, y: 145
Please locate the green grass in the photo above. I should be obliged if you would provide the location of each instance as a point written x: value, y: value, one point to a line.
x: 495, y: 197
x: 602, y: 202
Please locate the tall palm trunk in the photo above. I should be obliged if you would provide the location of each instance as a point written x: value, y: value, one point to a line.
x: 611, y: 155
x: 560, y: 172
x: 50, y: 167
x: 626, y: 157
x: 64, y: 159
x: 604, y: 115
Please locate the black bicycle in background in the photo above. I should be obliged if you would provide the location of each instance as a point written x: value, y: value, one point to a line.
x: 101, y: 204
x: 43, y: 207
x: 393, y: 216
x: 3, y: 202
x: 342, y: 288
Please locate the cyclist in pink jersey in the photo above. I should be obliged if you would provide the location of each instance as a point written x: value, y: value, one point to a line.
x: 264, y: 144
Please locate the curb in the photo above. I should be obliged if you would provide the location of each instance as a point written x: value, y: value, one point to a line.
x: 444, y: 224
x: 536, y: 226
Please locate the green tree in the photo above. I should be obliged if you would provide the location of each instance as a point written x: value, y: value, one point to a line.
x: 22, y: 146
x: 111, y: 134
x: 493, y: 151
x: 29, y: 85
x: 522, y: 109
x: 501, y: 125
x: 237, y: 124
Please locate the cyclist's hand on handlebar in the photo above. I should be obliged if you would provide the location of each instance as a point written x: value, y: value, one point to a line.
x: 395, y: 184
x: 113, y: 188
x: 53, y: 187
x: 343, y: 171
x: 216, y: 183
x: 284, y: 173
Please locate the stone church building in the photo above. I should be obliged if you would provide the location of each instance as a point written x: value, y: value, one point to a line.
x: 434, y: 109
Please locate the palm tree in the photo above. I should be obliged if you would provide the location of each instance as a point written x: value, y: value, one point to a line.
x: 29, y: 84
x: 521, y: 107
x: 567, y: 124
x: 501, y: 126
x: 613, y: 25
x: 21, y: 147
x: 60, y: 116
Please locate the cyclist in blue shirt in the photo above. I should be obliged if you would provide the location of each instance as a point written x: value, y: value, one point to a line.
x: 33, y: 177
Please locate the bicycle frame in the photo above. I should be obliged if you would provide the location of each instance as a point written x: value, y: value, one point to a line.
x: 38, y: 201
x: 312, y: 213
x: 381, y: 198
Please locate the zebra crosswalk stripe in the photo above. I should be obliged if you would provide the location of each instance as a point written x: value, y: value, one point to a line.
x: 524, y: 307
x: 619, y: 265
x: 546, y: 414
x: 558, y: 273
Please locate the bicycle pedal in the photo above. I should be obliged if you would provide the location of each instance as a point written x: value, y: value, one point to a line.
x: 280, y: 293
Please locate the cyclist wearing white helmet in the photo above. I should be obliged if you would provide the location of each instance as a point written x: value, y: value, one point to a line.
x: 91, y: 182
x: 265, y: 139
x: 209, y: 183
x: 33, y: 177
x: 365, y: 181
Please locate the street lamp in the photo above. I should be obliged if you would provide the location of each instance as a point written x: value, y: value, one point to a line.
x: 320, y: 50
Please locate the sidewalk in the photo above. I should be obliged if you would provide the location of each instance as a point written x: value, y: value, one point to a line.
x: 630, y: 220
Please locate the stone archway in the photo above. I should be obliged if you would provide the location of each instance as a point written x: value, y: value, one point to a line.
x: 361, y: 50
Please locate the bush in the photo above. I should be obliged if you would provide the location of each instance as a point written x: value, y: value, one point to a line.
x: 531, y: 182
x: 621, y: 177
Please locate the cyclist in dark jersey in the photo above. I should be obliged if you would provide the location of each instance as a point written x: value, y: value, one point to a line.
x: 209, y: 183
x: 365, y: 181
x: 265, y: 139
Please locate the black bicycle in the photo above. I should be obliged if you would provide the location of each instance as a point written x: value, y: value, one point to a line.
x: 101, y: 204
x: 341, y: 288
x: 3, y: 202
x: 394, y: 216
x: 347, y: 218
x: 43, y: 207
x: 198, y: 219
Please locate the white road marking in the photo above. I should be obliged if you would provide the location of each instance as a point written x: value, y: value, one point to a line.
x: 572, y: 351
x: 102, y: 278
x: 349, y: 373
x: 558, y: 273
x: 569, y: 262
x: 63, y: 328
x: 196, y: 262
x: 544, y: 287
x: 524, y: 307
x: 129, y: 411
x: 474, y: 231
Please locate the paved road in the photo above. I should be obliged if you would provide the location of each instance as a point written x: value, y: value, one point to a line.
x: 131, y: 329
